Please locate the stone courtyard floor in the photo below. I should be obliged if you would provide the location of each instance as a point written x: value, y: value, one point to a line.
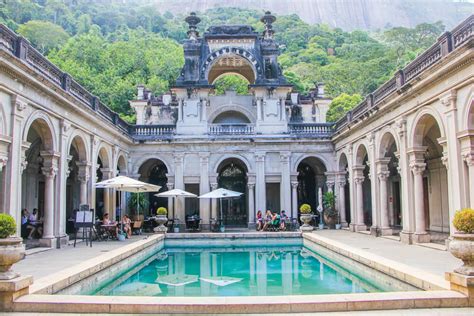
x: 436, y: 262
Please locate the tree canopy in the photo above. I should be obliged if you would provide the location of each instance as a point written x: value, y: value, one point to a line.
x: 110, y: 47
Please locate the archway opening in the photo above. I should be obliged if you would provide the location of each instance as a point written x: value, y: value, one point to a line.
x: 311, y: 177
x: 231, y: 117
x: 232, y: 175
x: 231, y: 63
x: 363, y: 172
x: 435, y: 182
x: 153, y: 171
x: 389, y: 160
x: 40, y: 163
x: 468, y: 175
x: 344, y: 191
x: 231, y: 82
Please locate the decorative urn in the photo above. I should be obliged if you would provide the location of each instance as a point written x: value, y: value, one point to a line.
x: 462, y: 244
x: 12, y: 249
x: 161, y: 218
x: 306, y: 217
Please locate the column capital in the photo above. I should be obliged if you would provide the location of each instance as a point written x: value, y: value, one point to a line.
x: 445, y: 159
x: 65, y: 126
x: 285, y: 156
x: 449, y: 100
x: 417, y: 167
x: 359, y: 179
x: 49, y: 172
x: 294, y: 184
x: 401, y: 125
x: 250, y: 185
x: 170, y: 185
x: 19, y: 104
x: 214, y: 186
x: 178, y: 157
x: 383, y: 175
x: 3, y: 162
x: 260, y: 156
x: 342, y: 183
x: 468, y: 158
x: 330, y: 183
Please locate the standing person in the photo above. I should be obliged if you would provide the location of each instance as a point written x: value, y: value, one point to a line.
x: 283, y: 220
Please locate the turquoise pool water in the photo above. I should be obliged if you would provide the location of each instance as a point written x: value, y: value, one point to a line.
x: 240, y: 271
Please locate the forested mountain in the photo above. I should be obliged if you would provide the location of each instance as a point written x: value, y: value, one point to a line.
x: 111, y: 46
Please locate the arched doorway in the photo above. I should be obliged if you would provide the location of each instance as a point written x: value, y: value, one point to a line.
x: 233, y: 176
x: 231, y: 63
x: 389, y: 181
x: 344, y: 191
x: 38, y: 193
x: 231, y: 117
x: 311, y: 177
x: 154, y: 171
x: 430, y: 182
x: 363, y: 189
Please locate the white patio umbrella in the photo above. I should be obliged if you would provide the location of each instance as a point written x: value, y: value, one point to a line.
x: 123, y: 183
x: 220, y: 194
x: 174, y: 194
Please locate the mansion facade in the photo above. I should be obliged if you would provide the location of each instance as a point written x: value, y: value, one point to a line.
x: 400, y: 163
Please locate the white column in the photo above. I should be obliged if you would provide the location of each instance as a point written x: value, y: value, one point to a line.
x: 170, y: 186
x: 469, y: 159
x: 285, y: 189
x: 342, y: 201
x: 4, y: 185
x: 384, y: 218
x: 260, y: 190
x: 251, y: 197
x: 420, y: 222
x: 294, y: 199
x: 108, y: 207
x: 282, y: 110
x: 214, y: 202
x: 84, y: 176
x: 180, y: 110
x: 15, y: 162
x: 359, y: 197
x: 179, y: 184
x: 204, y: 188
x: 49, y: 170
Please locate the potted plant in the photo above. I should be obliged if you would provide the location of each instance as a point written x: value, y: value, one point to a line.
x: 462, y: 244
x: 12, y: 249
x: 161, y: 219
x: 306, y: 216
x: 331, y: 215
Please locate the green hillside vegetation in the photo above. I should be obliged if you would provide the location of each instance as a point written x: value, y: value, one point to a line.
x: 111, y: 47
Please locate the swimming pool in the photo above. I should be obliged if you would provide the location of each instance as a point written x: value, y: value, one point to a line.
x: 226, y: 267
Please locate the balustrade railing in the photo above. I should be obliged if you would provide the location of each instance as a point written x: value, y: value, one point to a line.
x: 314, y: 129
x: 231, y: 129
x: 152, y: 131
x: 463, y: 32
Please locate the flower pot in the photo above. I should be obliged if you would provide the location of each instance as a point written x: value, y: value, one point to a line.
x: 160, y: 220
x: 330, y: 221
x: 12, y: 250
x: 222, y: 229
x: 176, y: 229
x: 121, y: 237
x: 462, y: 247
x: 338, y: 226
x: 306, y: 219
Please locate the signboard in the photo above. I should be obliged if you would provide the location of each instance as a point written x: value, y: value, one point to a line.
x: 84, y: 217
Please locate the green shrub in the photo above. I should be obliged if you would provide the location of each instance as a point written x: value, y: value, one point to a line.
x: 161, y: 211
x: 329, y: 203
x: 464, y: 220
x: 305, y: 209
x: 7, y: 226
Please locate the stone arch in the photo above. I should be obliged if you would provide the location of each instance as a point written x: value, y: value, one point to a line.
x: 44, y: 127
x: 154, y: 171
x: 250, y: 71
x: 419, y: 126
x: 122, y: 163
x: 79, y: 140
x: 342, y: 162
x: 469, y: 116
x: 138, y: 163
x: 232, y: 107
x: 314, y: 155
x: 232, y: 156
x: 360, y: 153
x: 105, y: 154
x: 387, y: 140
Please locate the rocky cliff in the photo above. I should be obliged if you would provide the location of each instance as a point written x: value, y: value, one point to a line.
x: 346, y: 14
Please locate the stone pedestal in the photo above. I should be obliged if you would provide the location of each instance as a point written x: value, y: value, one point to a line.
x: 12, y: 289
x: 359, y: 227
x: 386, y: 231
x: 421, y: 238
x: 461, y: 283
x: 406, y: 238
x: 374, y: 231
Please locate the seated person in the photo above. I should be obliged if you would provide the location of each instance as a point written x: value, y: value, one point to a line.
x: 127, y: 225
x: 35, y: 224
x: 275, y: 220
x: 27, y: 229
x: 268, y: 219
x: 111, y: 226
x: 283, y: 220
x: 259, y: 220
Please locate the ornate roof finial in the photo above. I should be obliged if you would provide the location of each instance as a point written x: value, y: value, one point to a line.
x: 193, y: 21
x: 268, y: 19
